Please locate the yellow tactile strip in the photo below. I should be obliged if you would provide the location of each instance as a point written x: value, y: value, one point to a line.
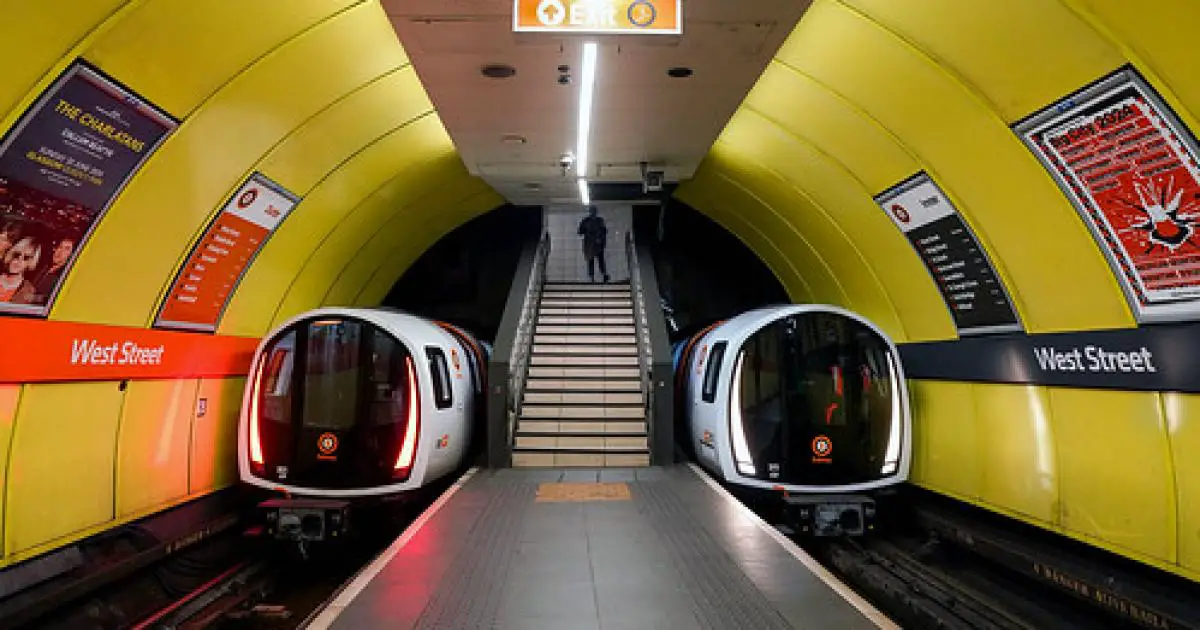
x: 583, y: 491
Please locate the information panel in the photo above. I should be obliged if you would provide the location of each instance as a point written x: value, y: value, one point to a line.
x: 1129, y: 166
x: 202, y: 288
x: 61, y: 166
x: 656, y: 17
x: 969, y: 284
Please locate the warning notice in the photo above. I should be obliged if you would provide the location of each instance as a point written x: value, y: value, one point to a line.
x: 233, y: 239
x: 1129, y: 166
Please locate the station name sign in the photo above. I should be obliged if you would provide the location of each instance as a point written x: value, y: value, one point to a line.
x: 53, y: 351
x: 1148, y: 358
x: 654, y: 17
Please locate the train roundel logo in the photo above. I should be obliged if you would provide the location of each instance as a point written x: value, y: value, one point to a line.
x: 822, y: 446
x: 900, y: 213
x: 247, y: 198
x: 327, y: 443
x: 642, y: 13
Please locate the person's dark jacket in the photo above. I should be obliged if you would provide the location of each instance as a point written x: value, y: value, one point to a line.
x: 594, y: 232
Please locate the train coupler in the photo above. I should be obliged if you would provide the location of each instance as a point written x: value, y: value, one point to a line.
x: 829, y: 515
x: 306, y: 520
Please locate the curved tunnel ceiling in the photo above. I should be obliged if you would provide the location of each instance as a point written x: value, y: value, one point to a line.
x: 319, y: 96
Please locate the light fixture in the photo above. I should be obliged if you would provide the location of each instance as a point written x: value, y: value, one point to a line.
x: 497, y: 71
x: 583, y: 191
x: 587, y: 90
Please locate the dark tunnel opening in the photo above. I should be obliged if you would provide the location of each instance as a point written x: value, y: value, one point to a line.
x: 465, y: 277
x: 704, y: 272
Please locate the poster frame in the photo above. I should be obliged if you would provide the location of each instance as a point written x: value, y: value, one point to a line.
x: 254, y: 177
x: 912, y: 182
x: 1177, y: 310
x: 77, y: 66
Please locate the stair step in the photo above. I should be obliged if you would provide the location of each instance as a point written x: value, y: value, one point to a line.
x: 583, y: 286
x: 608, y: 361
x: 541, y: 372
x: 569, y: 459
x: 595, y: 412
x: 589, y: 427
x: 588, y: 350
x: 624, y: 314
x: 578, y: 329
x: 534, y: 384
x: 582, y: 304
x: 584, y: 398
x: 587, y: 295
x: 585, y: 340
x: 588, y: 442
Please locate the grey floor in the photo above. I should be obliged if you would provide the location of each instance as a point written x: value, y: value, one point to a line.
x: 673, y: 554
x: 566, y: 262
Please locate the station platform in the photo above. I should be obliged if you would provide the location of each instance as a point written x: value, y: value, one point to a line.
x: 659, y: 547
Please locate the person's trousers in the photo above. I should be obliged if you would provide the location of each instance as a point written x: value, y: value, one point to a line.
x: 593, y: 254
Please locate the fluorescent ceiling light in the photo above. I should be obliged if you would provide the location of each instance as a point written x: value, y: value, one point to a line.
x: 586, y: 93
x: 583, y: 191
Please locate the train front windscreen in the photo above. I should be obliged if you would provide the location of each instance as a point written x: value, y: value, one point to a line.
x: 336, y: 407
x: 816, y: 398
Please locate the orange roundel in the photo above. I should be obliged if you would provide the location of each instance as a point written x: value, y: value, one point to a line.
x: 327, y: 443
x: 822, y: 446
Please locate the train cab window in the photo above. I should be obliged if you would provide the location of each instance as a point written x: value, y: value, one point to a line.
x: 276, y: 389
x: 443, y: 394
x: 712, y: 373
x: 331, y: 378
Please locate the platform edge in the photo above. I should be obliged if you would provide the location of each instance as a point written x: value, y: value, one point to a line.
x: 854, y: 599
x: 329, y: 611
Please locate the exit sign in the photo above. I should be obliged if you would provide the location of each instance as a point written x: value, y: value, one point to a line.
x: 654, y: 17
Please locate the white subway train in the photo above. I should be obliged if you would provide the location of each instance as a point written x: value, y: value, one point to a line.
x: 803, y: 402
x: 348, y: 406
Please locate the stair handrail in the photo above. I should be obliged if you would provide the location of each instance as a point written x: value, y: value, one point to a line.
x: 654, y: 348
x: 514, y: 345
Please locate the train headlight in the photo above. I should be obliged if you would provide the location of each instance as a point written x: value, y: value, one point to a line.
x: 256, y: 454
x: 891, y: 460
x: 737, y: 431
x: 408, y: 445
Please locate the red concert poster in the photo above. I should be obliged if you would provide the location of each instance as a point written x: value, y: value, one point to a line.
x: 1130, y: 167
x: 204, y: 284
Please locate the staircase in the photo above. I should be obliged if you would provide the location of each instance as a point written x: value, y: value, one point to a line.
x: 583, y: 403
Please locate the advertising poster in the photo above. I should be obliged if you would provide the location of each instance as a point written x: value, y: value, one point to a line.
x: 202, y: 288
x: 1129, y: 166
x: 964, y: 275
x: 60, y: 167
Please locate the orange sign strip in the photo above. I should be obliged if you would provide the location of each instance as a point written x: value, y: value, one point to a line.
x: 38, y: 351
x: 657, y: 17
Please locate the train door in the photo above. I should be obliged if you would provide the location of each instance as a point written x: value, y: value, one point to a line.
x: 837, y: 393
x: 814, y: 401
x: 339, y: 407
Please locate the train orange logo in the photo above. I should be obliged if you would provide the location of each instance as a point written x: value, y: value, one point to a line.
x: 327, y: 444
x: 247, y: 198
x: 444, y: 441
x: 822, y: 446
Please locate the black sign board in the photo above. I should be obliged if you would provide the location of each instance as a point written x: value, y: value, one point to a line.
x: 965, y: 277
x: 1150, y: 358
x: 61, y: 166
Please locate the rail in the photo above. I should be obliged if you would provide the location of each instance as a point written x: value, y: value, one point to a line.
x: 507, y: 368
x: 654, y: 350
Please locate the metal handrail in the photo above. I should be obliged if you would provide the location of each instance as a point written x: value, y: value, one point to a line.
x: 508, y: 367
x: 641, y: 328
x: 523, y: 341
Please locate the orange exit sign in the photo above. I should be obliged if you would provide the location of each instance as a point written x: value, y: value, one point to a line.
x: 655, y: 17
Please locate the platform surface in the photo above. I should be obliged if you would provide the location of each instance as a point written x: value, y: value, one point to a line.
x: 614, y: 548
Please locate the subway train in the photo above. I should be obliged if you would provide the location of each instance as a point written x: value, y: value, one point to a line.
x: 346, y: 408
x: 804, y: 403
